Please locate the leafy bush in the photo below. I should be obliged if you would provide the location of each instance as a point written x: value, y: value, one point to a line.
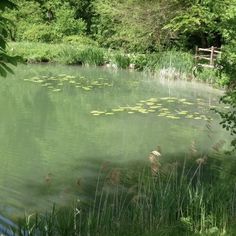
x: 39, y: 33
x: 140, y: 61
x: 66, y: 24
x: 79, y: 39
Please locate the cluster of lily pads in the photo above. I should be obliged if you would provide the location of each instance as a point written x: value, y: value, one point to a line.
x: 56, y: 83
x: 159, y: 106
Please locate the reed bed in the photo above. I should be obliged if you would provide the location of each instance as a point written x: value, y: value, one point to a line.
x: 192, y: 196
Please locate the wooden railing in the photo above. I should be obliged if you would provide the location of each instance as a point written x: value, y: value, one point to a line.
x: 206, y: 57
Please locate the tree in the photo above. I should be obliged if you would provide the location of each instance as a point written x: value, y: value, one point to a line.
x: 5, y: 23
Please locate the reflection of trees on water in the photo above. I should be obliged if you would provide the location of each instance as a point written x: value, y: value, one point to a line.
x: 25, y: 116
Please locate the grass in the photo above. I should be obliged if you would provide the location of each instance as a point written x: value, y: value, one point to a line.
x: 189, y: 197
x: 170, y: 64
x: 60, y: 53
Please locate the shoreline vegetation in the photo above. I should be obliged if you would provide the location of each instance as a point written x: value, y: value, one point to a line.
x: 184, y: 196
x: 168, y: 64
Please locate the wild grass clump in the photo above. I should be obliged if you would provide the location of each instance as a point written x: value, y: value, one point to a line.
x: 121, y: 60
x: 181, y: 61
x: 92, y: 56
x: 69, y: 55
x: 185, y: 197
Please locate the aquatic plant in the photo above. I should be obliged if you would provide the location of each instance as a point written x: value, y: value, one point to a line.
x: 58, y: 82
x: 187, y: 196
x: 121, y: 60
x: 161, y: 107
x: 92, y: 56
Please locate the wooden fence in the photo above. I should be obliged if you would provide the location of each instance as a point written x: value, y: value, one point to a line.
x: 206, y: 57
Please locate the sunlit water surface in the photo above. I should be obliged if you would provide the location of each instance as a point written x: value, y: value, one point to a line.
x: 53, y: 134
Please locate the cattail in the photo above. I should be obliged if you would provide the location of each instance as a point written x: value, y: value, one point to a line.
x: 201, y: 161
x: 154, y: 160
x: 48, y: 178
x: 218, y: 145
x: 114, y: 176
x: 105, y: 165
x: 193, y: 149
x: 78, y: 182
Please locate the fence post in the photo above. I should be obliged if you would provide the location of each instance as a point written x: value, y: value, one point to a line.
x: 196, y: 55
x: 212, y: 56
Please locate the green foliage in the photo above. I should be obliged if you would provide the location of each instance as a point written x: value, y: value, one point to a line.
x: 70, y: 55
x: 229, y: 117
x: 121, y: 60
x: 134, y: 25
x: 92, y: 56
x: 39, y: 33
x: 188, y: 197
x: 5, y: 59
x: 140, y: 61
x: 65, y: 23
x: 228, y: 70
x: 80, y: 40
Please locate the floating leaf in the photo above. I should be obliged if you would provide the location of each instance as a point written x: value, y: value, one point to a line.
x: 56, y: 90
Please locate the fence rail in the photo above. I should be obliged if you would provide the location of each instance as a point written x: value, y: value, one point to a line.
x: 206, y: 57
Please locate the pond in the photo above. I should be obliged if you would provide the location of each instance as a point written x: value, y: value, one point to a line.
x: 59, y: 123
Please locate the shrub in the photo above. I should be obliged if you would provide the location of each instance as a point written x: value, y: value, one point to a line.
x: 80, y: 39
x: 39, y: 33
x: 140, y: 61
x: 66, y: 24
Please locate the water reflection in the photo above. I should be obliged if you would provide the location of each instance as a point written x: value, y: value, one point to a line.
x: 51, y: 147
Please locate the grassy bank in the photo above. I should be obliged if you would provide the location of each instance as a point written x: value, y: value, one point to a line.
x: 170, y: 64
x: 192, y: 196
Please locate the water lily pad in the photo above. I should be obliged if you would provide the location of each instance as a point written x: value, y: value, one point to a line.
x: 152, y: 100
x: 56, y: 90
x: 189, y: 116
x: 118, y: 109
x: 86, y: 88
x: 188, y: 103
x: 150, y: 103
x: 182, y: 100
x: 72, y: 81
x: 173, y: 117
x: 182, y: 112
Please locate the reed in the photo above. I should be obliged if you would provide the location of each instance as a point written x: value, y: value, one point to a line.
x: 121, y: 60
x: 187, y: 197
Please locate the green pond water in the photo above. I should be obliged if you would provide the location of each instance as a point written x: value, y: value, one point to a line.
x: 59, y: 123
